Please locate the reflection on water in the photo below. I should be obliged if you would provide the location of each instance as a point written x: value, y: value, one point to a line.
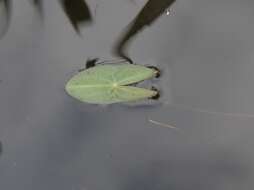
x: 77, y: 11
x: 149, y: 13
x: 5, y: 12
x: 39, y: 5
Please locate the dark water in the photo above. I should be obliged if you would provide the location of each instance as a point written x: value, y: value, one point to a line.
x: 50, y: 141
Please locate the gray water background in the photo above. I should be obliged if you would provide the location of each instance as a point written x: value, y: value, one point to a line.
x: 50, y: 141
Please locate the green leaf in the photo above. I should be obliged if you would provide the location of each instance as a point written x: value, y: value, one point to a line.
x: 106, y: 84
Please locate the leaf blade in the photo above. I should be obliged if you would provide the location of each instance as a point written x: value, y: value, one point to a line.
x: 93, y: 95
x: 129, y: 74
x: 108, y: 94
x: 104, y: 84
x: 131, y: 93
x: 123, y: 74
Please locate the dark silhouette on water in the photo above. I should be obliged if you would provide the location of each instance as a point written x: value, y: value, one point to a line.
x: 77, y: 12
x: 150, y: 12
x: 38, y: 4
x: 7, y: 6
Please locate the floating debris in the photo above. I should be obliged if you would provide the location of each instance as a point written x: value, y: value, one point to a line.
x: 162, y: 124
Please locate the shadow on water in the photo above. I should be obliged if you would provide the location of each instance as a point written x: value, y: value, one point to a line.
x: 7, y: 9
x: 149, y: 13
x: 77, y: 12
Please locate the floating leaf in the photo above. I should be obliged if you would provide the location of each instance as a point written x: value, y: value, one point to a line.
x: 107, y: 84
x: 77, y: 11
x: 150, y: 12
